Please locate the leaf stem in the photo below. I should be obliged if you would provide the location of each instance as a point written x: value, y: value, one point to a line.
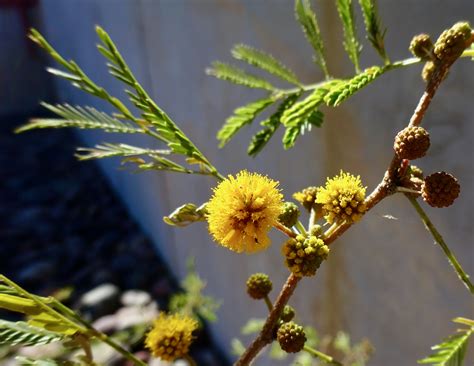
x: 268, y: 303
x: 322, y: 356
x: 463, y: 276
x: 285, y: 230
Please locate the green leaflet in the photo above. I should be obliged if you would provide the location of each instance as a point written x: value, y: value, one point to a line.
x: 19, y: 304
x: 265, y: 62
x: 351, y: 44
x: 271, y: 124
x: 14, y: 333
x: 375, y: 33
x: 186, y: 214
x: 242, y: 116
x: 344, y: 89
x: 315, y: 118
x: 238, y: 76
x: 301, y: 110
x: 309, y: 23
x: 451, y: 351
x: 80, y: 117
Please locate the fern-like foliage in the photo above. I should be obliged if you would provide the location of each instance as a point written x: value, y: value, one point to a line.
x: 167, y: 130
x: 373, y: 27
x: 236, y: 75
x: 309, y: 23
x: 301, y: 116
x: 153, y: 120
x: 21, y: 333
x: 345, y: 89
x: 265, y: 62
x: 451, y: 351
x: 80, y: 117
x: 351, y: 44
x: 270, y: 125
x: 242, y: 116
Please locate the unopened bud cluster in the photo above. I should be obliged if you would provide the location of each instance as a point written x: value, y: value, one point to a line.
x: 291, y: 337
x: 447, y: 48
x: 440, y: 189
x: 452, y: 42
x: 290, y: 214
x: 412, y: 143
x: 304, y: 254
x: 421, y: 46
x: 259, y: 285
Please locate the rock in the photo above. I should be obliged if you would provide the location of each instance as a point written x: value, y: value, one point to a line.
x: 101, y: 300
x: 135, y: 298
x: 133, y: 315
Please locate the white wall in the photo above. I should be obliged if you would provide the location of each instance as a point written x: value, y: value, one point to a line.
x: 385, y: 279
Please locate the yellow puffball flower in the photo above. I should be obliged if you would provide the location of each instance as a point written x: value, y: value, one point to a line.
x: 342, y: 198
x: 171, y: 336
x: 242, y: 211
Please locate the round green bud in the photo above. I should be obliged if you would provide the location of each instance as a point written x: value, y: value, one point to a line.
x: 288, y: 314
x: 259, y: 285
x: 452, y: 42
x: 304, y: 254
x: 291, y: 337
x: 421, y: 46
x: 290, y: 214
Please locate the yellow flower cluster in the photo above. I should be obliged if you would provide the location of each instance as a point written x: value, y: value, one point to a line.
x: 171, y: 336
x: 242, y: 211
x: 342, y: 198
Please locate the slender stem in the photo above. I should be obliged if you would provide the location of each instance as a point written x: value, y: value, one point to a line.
x: 312, y: 219
x: 407, y: 190
x: 300, y: 227
x: 331, y: 229
x: 268, y: 303
x: 103, y: 337
x: 285, y: 230
x: 463, y: 276
x: 322, y: 356
x: 266, y: 335
x: 42, y: 304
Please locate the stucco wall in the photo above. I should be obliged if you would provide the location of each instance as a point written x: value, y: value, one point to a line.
x: 385, y: 279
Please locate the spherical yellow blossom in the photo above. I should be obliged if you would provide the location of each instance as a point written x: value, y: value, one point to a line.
x: 242, y: 211
x: 171, y: 336
x: 342, y: 198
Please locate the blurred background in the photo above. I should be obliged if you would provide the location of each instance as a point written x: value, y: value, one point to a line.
x: 65, y: 223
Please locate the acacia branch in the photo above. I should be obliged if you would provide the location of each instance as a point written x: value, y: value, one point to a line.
x: 385, y: 188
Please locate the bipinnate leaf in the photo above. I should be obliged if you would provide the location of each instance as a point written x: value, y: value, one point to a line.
x: 242, y: 116
x: 21, y: 333
x: 309, y: 23
x: 264, y: 61
x: 351, y: 44
x: 236, y: 75
x: 270, y: 125
x: 79, y: 117
x: 451, y: 351
x: 373, y: 27
x: 342, y: 90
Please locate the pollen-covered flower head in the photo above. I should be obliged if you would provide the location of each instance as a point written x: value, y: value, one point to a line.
x: 242, y: 211
x: 342, y: 198
x: 171, y: 336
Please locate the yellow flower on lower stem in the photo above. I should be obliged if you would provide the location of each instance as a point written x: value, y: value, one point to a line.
x: 342, y: 198
x: 171, y: 336
x: 242, y: 211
